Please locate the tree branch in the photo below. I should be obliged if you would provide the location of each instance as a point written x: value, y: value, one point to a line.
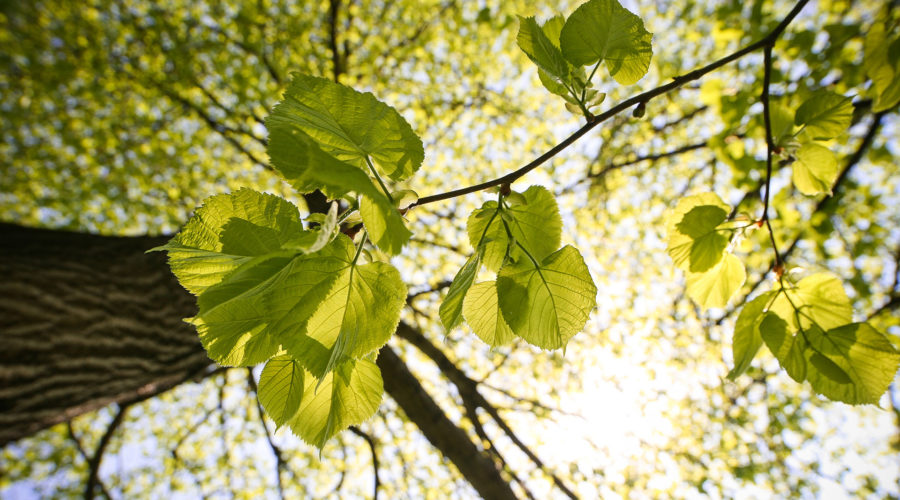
x: 453, y: 442
x: 276, y: 451
x: 97, y: 458
x: 622, y: 106
x: 356, y: 430
x: 468, y: 389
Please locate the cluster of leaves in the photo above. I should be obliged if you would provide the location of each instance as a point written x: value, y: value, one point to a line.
x: 312, y: 302
x: 316, y: 299
x: 807, y: 325
x: 599, y: 31
x: 542, y: 294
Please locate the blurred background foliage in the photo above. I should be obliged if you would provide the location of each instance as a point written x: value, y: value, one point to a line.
x: 120, y: 116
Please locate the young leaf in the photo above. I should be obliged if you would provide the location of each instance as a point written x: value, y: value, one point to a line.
x: 747, y: 340
x: 815, y: 170
x: 281, y: 386
x: 716, y: 286
x: 384, y: 224
x: 853, y: 363
x: 548, y: 304
x: 603, y: 30
x: 482, y: 312
x: 535, y: 224
x: 346, y: 396
x: 537, y: 46
x: 229, y: 230
x: 693, y: 242
x: 709, y: 244
x: 825, y: 114
x: 451, y: 309
x: 347, y: 125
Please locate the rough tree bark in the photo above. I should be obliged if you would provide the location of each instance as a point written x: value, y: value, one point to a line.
x: 88, y: 320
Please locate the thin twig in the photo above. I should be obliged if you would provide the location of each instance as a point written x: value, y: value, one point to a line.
x: 276, y: 451
x: 84, y: 455
x: 359, y: 432
x: 97, y: 458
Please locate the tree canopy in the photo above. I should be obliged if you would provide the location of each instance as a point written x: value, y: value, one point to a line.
x: 675, y: 221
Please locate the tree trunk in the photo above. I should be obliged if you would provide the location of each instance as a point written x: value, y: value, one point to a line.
x: 89, y: 320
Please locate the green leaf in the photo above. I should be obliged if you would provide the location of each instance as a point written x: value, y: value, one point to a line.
x: 384, y: 224
x: 452, y: 306
x: 540, y: 49
x: 482, y: 312
x: 548, y: 304
x: 716, y: 286
x: 603, y: 30
x: 787, y: 348
x: 882, y: 66
x: 747, y: 340
x: 709, y: 245
x: 820, y: 300
x: 329, y: 308
x: 553, y: 27
x: 381, y: 218
x: 535, y: 224
x: 693, y: 242
x: 853, y: 363
x: 346, y: 396
x: 232, y: 317
x: 782, y: 120
x: 815, y: 169
x: 227, y: 231
x: 825, y: 114
x: 345, y: 124
x: 280, y: 388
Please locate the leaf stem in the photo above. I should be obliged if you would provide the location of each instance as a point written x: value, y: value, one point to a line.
x: 591, y: 76
x: 387, y: 192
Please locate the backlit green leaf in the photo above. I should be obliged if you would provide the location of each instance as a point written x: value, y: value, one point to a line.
x: 280, y: 388
x: 331, y: 309
x: 482, y: 313
x: 853, y: 363
x: 540, y: 49
x: 535, y: 224
x: 788, y: 348
x: 227, y: 231
x: 747, y: 340
x: 693, y: 242
x: 384, y: 224
x: 232, y: 317
x: 820, y: 300
x: 716, y: 286
x: 825, y: 114
x: 815, y: 170
x: 452, y: 306
x: 346, y: 396
x: 882, y: 65
x: 603, y: 30
x: 549, y: 304
x: 346, y: 124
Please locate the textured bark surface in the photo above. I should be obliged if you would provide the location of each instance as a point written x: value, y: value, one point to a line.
x: 86, y: 321
x: 89, y: 320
